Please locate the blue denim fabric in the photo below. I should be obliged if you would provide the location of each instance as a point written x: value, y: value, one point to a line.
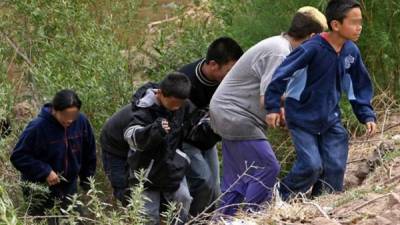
x: 202, y: 177
x: 321, y: 162
x: 153, y: 200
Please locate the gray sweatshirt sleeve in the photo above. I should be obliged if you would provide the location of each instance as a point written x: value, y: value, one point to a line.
x: 265, y: 67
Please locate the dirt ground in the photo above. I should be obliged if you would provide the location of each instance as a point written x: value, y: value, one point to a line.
x: 372, y: 183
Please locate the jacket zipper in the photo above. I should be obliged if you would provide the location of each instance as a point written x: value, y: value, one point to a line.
x: 66, y: 152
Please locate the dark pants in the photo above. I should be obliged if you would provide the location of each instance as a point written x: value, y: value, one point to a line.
x: 250, y: 169
x: 321, y: 162
x: 115, y: 168
x: 202, y: 177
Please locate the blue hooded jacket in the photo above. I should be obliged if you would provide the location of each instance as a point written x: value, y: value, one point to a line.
x: 46, y: 145
x: 314, y: 76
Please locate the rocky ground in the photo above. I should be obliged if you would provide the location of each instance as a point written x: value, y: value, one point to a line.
x: 372, y: 195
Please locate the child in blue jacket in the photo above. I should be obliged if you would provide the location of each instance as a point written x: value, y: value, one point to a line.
x: 54, y: 149
x: 314, y: 75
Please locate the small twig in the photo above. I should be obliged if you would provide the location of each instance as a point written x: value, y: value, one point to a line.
x: 26, y: 59
x: 318, y: 207
x: 356, y: 160
x: 392, y: 179
x: 220, y: 197
x: 153, y: 24
x: 370, y: 201
x: 384, y: 123
x: 285, y: 223
x: 392, y: 126
x: 364, y: 141
x: 16, y: 48
x: 61, y: 217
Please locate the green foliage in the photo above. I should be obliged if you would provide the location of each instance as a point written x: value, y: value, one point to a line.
x: 379, y: 43
x: 173, y: 49
x: 135, y: 209
x: 69, y: 49
x: 283, y: 148
x: 350, y: 196
x: 252, y: 21
x: 8, y: 213
x: 6, y: 99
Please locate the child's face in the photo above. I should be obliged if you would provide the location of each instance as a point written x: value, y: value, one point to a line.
x: 219, y: 71
x: 351, y: 26
x: 67, y: 116
x: 171, y: 103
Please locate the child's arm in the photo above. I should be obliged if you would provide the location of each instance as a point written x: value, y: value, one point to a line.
x: 360, y: 93
x: 142, y: 137
x: 23, y: 156
x: 265, y: 67
x: 297, y: 60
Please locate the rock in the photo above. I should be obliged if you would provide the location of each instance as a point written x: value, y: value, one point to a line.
x: 23, y: 111
x: 397, y: 189
x: 396, y: 138
x: 392, y: 214
x: 394, y: 199
x: 363, y: 171
x: 382, y: 221
x: 351, y: 181
x: 324, y: 221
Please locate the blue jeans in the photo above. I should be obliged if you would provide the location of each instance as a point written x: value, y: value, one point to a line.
x: 115, y: 168
x: 321, y: 162
x: 202, y: 177
x: 153, y: 200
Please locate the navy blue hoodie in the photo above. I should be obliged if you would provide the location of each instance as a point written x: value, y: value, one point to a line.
x: 314, y: 76
x: 46, y: 145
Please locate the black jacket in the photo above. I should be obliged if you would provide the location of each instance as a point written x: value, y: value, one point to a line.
x: 112, y: 134
x: 154, y: 150
x: 200, y: 133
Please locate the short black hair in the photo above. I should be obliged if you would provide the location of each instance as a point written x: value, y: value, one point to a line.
x: 176, y: 85
x: 304, y: 25
x: 224, y: 50
x: 338, y: 9
x: 66, y: 99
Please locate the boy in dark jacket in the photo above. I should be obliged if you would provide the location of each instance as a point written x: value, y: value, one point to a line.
x: 319, y: 70
x: 205, y: 75
x: 151, y: 128
x: 55, y: 148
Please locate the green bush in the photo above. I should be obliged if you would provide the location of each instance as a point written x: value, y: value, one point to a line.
x: 69, y: 49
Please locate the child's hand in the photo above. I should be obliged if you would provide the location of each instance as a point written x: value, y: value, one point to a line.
x: 273, y: 119
x: 52, y: 178
x: 165, y: 125
x: 282, y: 121
x: 371, y: 128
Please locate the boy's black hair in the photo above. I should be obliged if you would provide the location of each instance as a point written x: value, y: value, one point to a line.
x: 224, y: 50
x: 176, y: 85
x: 66, y: 99
x: 338, y: 9
x: 304, y: 25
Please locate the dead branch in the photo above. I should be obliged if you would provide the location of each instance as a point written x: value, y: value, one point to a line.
x: 370, y: 201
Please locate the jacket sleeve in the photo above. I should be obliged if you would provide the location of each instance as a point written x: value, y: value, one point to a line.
x: 144, y: 136
x: 360, y: 91
x: 24, y: 156
x: 296, y: 60
x: 88, y: 163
